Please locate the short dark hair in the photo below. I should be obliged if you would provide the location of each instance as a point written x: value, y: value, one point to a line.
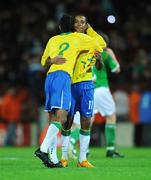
x: 66, y: 23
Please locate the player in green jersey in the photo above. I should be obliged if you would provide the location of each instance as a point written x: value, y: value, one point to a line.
x: 103, y: 100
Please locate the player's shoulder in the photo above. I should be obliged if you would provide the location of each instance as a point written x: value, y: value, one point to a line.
x: 51, y: 39
x: 109, y: 50
x: 54, y: 37
x: 106, y: 52
x: 105, y: 55
x: 63, y: 35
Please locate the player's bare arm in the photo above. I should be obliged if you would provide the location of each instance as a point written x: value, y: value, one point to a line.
x: 98, y: 58
x: 110, y: 51
x: 55, y: 60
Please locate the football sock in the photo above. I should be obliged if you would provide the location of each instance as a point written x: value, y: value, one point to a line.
x: 110, y: 136
x: 84, y: 144
x: 52, y: 132
x: 65, y: 143
x: 53, y: 151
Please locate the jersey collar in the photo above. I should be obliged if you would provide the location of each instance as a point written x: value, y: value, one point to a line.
x: 66, y: 33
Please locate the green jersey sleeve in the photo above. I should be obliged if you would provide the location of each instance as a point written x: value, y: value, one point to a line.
x: 109, y: 62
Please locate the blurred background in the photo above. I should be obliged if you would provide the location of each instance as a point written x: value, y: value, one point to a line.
x: 25, y: 27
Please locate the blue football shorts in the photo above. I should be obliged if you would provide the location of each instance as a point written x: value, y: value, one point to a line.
x: 82, y: 98
x: 57, y: 91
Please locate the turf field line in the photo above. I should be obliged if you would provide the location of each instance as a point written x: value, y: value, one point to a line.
x: 9, y: 158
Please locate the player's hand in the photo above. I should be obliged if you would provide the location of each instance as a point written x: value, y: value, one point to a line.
x: 88, y: 25
x: 118, y: 70
x: 58, y: 60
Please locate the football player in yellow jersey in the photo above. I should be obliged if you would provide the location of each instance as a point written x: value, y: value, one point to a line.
x: 82, y: 99
x: 58, y: 80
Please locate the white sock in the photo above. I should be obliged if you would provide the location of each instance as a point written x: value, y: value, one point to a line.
x: 53, y: 151
x: 49, y: 138
x: 65, y: 146
x: 84, y: 144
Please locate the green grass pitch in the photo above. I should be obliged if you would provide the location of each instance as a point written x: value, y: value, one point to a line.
x: 20, y: 164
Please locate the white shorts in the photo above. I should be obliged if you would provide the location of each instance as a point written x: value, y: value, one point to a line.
x: 77, y: 118
x: 103, y: 102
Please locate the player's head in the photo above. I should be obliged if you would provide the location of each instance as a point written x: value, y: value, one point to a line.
x: 66, y: 23
x: 80, y: 23
x: 105, y: 37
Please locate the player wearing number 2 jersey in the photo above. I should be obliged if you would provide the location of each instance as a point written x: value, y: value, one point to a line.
x: 69, y: 45
x: 58, y: 80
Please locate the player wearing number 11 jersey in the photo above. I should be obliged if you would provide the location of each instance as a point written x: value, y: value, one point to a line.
x: 58, y: 80
x: 82, y: 98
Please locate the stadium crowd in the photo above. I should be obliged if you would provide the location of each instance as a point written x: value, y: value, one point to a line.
x: 26, y: 26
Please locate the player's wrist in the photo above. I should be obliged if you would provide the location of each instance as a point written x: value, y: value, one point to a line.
x: 88, y: 27
x: 49, y: 61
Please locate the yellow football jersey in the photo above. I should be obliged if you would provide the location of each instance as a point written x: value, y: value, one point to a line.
x: 77, y: 77
x: 80, y: 64
x: 68, y: 45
